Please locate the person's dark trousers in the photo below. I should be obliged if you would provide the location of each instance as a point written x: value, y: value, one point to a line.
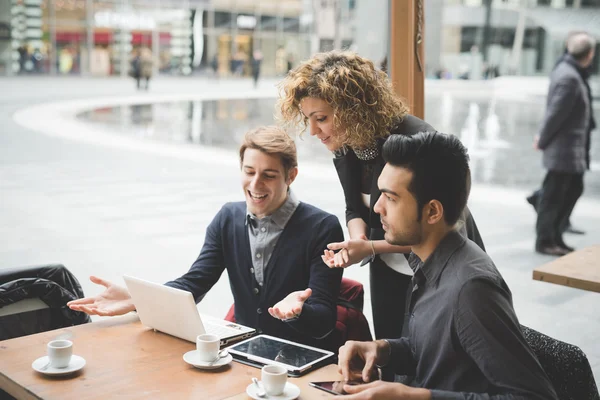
x: 388, y: 299
x: 534, y: 200
x: 560, y: 192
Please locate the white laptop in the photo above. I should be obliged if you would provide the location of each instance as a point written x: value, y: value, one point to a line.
x: 174, y: 311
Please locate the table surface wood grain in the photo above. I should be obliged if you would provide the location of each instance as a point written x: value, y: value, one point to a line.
x: 125, y: 359
x: 579, y: 269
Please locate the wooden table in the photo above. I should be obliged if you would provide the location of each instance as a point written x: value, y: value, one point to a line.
x: 579, y: 269
x: 126, y: 360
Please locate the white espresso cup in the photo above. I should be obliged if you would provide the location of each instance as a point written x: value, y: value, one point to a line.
x: 59, y: 353
x: 207, y: 346
x: 273, y: 379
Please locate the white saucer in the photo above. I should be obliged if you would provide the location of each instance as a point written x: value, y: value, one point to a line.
x: 290, y: 392
x: 75, y: 365
x: 191, y: 357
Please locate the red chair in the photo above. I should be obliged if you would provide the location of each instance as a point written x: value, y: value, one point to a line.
x: 351, y: 323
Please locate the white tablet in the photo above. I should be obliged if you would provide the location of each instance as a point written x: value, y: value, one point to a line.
x: 264, y: 349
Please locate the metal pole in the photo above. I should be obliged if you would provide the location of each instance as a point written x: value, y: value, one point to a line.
x: 337, y: 36
x: 314, y: 35
x: 53, y: 53
x: 485, y: 40
x: 515, y: 60
x: 89, y: 12
x: 124, y: 41
x: 155, y: 40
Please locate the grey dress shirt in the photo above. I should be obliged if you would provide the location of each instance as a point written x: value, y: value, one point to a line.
x: 464, y: 340
x: 263, y: 234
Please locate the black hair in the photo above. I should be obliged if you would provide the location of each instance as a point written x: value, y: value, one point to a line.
x: 440, y: 167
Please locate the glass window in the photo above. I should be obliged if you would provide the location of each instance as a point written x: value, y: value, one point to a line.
x: 268, y: 23
x: 223, y: 19
x: 291, y: 25
x: 468, y: 39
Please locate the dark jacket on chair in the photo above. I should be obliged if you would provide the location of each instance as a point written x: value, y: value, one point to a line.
x: 54, y: 285
x: 295, y: 264
x: 565, y: 130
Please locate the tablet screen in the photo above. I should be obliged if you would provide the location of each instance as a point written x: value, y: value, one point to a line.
x: 280, y: 351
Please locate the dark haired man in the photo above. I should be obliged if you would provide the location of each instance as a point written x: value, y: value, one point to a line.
x: 464, y: 340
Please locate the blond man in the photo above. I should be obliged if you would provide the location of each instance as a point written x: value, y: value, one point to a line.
x: 271, y: 246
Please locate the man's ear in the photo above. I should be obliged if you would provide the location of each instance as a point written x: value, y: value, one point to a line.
x: 291, y: 176
x: 433, y: 212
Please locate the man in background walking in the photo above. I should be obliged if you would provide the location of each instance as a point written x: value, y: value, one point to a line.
x: 534, y: 198
x: 564, y: 140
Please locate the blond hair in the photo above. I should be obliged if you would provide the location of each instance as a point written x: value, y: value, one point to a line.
x: 364, y: 103
x: 271, y: 140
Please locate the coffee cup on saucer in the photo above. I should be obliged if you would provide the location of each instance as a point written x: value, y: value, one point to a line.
x: 60, y: 353
x: 207, y: 347
x: 273, y: 379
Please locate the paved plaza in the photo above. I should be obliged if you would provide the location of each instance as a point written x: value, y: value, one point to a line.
x: 104, y: 195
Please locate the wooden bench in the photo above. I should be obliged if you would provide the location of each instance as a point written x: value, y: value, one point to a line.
x: 579, y: 269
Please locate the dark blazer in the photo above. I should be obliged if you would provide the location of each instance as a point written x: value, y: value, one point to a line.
x: 564, y: 132
x: 349, y: 172
x: 294, y: 265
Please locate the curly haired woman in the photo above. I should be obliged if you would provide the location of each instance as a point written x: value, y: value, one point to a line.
x: 351, y: 108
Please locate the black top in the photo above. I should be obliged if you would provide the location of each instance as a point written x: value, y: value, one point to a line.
x: 350, y: 173
x: 464, y: 340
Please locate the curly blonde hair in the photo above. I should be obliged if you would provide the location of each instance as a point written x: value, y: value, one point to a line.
x: 364, y: 103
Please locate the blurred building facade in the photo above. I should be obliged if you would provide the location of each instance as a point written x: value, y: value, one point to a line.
x: 522, y: 37
x: 478, y: 38
x: 463, y: 38
x: 97, y: 37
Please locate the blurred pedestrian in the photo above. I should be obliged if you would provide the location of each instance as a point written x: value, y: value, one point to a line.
x: 237, y: 64
x: 383, y: 65
x: 534, y: 198
x: 36, y: 59
x: 135, y: 66
x: 564, y: 139
x: 146, y: 67
x: 257, y: 58
x: 23, y: 56
x: 215, y: 66
x: 65, y: 61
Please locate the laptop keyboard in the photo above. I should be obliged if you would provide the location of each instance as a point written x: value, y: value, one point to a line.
x: 219, y: 330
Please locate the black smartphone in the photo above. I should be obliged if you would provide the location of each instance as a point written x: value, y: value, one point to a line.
x: 333, y: 387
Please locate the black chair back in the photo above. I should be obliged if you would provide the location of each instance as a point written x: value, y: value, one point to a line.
x: 566, y: 365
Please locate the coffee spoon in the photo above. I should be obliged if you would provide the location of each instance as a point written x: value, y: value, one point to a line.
x: 222, y: 354
x: 259, y: 391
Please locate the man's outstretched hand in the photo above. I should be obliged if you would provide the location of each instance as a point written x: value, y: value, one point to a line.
x: 115, y: 300
x: 291, y: 306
